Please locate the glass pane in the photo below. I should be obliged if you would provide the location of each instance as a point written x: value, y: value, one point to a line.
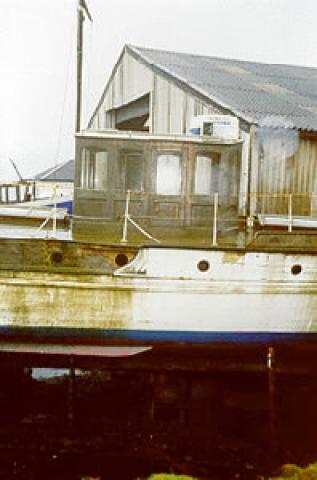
x: 168, y: 181
x: 203, y: 175
x: 11, y: 194
x: 101, y: 170
x: 134, y: 173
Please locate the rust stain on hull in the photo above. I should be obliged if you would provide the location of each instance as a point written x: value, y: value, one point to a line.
x: 34, y: 306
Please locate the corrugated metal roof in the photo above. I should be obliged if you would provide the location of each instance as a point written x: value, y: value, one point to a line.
x: 63, y: 172
x: 256, y: 92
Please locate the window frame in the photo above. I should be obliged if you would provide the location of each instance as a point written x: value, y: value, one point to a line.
x: 134, y: 154
x: 88, y: 168
x: 174, y: 153
x: 214, y: 158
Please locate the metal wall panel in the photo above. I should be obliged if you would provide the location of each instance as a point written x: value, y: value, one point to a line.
x: 296, y: 175
x: 130, y: 80
x: 161, y: 106
x: 137, y: 79
x: 176, y: 110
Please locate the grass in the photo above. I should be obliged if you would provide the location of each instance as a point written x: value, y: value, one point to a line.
x: 169, y: 476
x: 294, y: 472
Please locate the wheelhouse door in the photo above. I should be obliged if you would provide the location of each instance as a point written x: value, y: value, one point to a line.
x: 206, y: 179
x: 168, y: 185
x: 132, y: 180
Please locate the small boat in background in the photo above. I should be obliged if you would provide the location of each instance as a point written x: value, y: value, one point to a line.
x: 31, y: 201
x: 34, y: 199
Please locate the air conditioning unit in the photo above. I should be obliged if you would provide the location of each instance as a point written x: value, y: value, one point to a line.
x: 225, y: 127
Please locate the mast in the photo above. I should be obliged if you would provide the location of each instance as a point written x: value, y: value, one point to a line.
x: 17, y: 170
x: 82, y: 10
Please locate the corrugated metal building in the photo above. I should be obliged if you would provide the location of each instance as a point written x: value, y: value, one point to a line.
x: 161, y: 91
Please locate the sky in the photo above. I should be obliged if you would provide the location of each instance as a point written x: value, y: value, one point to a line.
x: 38, y: 57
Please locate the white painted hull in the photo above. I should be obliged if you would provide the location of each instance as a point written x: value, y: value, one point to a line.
x: 162, y: 291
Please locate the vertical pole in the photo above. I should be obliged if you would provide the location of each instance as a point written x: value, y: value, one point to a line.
x: 54, y: 213
x: 17, y: 193
x: 214, y: 227
x: 253, y: 173
x: 80, y: 21
x: 290, y: 208
x: 126, y: 218
x: 271, y: 391
x: 34, y: 191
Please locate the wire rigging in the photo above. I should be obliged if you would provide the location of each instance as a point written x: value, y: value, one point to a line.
x: 66, y: 88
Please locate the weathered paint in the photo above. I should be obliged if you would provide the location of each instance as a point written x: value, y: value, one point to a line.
x: 60, y: 256
x: 280, y: 175
x: 162, y: 290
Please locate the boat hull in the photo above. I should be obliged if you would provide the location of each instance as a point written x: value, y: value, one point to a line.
x: 163, y: 296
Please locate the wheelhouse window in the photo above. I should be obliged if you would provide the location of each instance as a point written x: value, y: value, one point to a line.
x: 168, y: 174
x: 94, y: 169
x: 134, y: 172
x: 206, y: 175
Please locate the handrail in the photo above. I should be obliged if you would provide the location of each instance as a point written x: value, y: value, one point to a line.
x: 283, y: 205
x: 286, y: 213
x: 127, y: 218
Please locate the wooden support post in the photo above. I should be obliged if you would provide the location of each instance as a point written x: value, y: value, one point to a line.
x: 272, y: 398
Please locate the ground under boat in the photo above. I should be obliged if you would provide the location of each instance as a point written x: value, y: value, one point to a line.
x: 166, y: 247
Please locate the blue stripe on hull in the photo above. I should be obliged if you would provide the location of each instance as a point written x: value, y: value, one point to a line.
x: 138, y: 336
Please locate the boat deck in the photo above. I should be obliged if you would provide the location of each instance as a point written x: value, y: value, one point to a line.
x: 271, y: 240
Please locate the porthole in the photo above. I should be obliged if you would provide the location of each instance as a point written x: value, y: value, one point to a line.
x: 203, y: 265
x: 57, y: 257
x: 121, y: 259
x: 296, y: 269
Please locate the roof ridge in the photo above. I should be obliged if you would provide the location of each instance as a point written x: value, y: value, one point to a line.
x: 187, y: 54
